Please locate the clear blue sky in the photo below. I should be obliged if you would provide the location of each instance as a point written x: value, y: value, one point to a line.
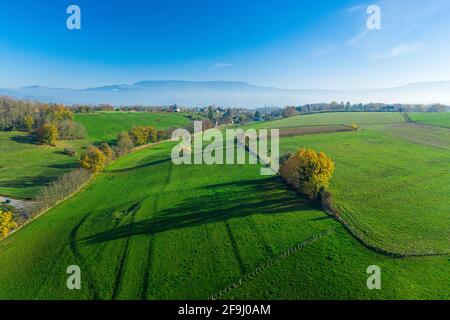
x: 283, y: 43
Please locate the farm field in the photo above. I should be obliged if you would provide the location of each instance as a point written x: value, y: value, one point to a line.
x: 147, y: 229
x: 104, y: 126
x: 332, y: 118
x: 391, y: 184
x: 25, y: 167
x: 439, y: 119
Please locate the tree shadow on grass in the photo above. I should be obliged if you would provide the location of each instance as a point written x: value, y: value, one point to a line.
x: 65, y: 166
x: 233, y: 200
x: 145, y: 165
x: 25, y: 182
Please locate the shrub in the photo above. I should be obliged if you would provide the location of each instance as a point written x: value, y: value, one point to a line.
x: 48, y: 134
x: 93, y: 159
x: 70, y: 151
x: 124, y: 143
x: 142, y: 135
x: 28, y: 122
x: 308, y: 171
x: 70, y: 130
x: 7, y: 223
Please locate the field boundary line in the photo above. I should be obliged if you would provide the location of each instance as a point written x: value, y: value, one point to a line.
x: 284, y: 255
x: 356, y: 235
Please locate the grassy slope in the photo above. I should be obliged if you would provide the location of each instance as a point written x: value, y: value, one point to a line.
x: 440, y: 119
x: 392, y: 183
x: 149, y: 229
x: 104, y: 126
x: 336, y: 118
x: 26, y: 167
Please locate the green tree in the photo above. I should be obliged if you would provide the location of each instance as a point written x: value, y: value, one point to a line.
x: 124, y: 143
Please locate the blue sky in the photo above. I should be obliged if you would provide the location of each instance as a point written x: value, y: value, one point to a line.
x: 283, y: 43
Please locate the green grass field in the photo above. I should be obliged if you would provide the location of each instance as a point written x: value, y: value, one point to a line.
x: 391, y: 183
x: 332, y: 118
x: 439, y: 119
x: 25, y: 167
x: 104, y: 126
x: 147, y: 229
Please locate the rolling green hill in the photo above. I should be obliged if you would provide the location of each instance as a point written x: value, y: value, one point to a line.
x: 147, y: 229
x: 25, y: 167
x: 394, y: 192
x: 104, y: 126
x: 332, y: 118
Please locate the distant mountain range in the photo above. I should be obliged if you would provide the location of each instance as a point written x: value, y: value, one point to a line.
x: 228, y: 93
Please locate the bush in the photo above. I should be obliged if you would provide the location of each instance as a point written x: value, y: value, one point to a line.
x: 70, y: 130
x: 7, y: 223
x: 142, y: 135
x: 61, y: 188
x: 70, y: 151
x: 93, y: 159
x: 124, y: 143
x: 48, y: 134
x: 308, y: 171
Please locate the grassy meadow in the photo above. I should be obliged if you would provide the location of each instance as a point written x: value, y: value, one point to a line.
x: 439, y: 119
x: 146, y: 228
x: 394, y: 192
x: 25, y: 166
x: 331, y: 119
x: 104, y: 126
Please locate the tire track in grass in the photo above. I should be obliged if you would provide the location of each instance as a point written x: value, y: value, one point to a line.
x: 85, y: 266
x: 120, y: 272
x: 151, y: 240
x: 235, y: 248
x: 146, y: 280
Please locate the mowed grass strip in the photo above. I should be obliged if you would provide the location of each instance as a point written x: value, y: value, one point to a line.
x: 105, y: 126
x: 439, y: 119
x: 330, y: 119
x: 394, y: 192
x: 147, y: 229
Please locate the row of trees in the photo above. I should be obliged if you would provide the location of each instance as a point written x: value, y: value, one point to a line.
x: 47, y: 122
x: 95, y: 158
